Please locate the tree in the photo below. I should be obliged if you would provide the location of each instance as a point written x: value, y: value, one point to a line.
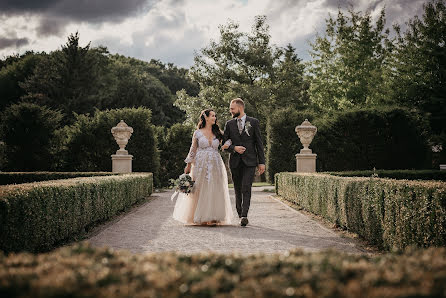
x: 89, y: 143
x: 349, y: 62
x: 15, y: 71
x: 244, y: 65
x: 68, y: 79
x: 419, y: 67
x: 29, y: 132
x: 134, y: 83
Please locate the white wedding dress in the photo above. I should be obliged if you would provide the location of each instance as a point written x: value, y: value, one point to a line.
x: 209, y: 200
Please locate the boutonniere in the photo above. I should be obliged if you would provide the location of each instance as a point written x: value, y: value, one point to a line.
x: 247, y: 127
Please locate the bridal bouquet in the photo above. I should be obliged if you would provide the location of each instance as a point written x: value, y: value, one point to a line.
x: 183, y: 184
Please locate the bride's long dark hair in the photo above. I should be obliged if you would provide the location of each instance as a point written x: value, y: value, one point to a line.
x: 215, y: 128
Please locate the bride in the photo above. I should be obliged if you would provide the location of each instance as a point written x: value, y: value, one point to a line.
x: 208, y: 203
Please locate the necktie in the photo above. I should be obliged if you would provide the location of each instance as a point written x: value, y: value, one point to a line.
x: 240, y: 128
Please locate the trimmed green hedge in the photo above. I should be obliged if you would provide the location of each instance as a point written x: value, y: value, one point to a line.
x: 397, y: 174
x: 389, y: 213
x: 360, y: 139
x: 89, y: 143
x: 37, y: 216
x: 84, y: 271
x: 27, y: 177
x: 173, y: 144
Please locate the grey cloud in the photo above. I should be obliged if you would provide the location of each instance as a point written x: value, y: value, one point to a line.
x: 83, y: 10
x: 397, y: 11
x: 12, y: 42
x: 57, y: 14
x: 163, y: 47
x: 51, y: 26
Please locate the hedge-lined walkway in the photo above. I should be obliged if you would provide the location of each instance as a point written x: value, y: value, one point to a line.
x: 273, y: 227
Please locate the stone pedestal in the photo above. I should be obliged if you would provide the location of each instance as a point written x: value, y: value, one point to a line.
x: 121, y: 163
x: 306, y: 163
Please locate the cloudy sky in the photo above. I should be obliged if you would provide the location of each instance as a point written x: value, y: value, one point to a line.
x: 171, y: 30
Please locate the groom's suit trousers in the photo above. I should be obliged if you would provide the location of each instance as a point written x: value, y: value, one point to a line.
x: 242, y: 176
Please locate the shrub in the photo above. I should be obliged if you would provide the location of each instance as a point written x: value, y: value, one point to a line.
x: 282, y: 140
x: 389, y: 213
x: 26, y: 177
x: 37, y: 216
x: 2, y: 155
x: 29, y: 134
x: 361, y: 139
x: 174, y: 145
x: 384, y: 138
x: 81, y: 270
x: 90, y: 144
x: 397, y: 174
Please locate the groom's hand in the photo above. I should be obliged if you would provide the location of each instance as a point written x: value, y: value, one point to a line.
x: 261, y: 169
x: 239, y: 149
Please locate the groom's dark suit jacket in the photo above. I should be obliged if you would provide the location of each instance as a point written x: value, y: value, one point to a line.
x: 254, y: 153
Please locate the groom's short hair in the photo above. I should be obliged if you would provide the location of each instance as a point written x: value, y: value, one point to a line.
x: 239, y: 102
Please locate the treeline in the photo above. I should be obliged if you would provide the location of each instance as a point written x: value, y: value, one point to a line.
x: 56, y: 109
x: 49, y: 101
x: 357, y: 62
x: 79, y: 79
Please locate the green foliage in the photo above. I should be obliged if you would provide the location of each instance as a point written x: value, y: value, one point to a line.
x: 89, y: 142
x: 37, y: 216
x: 359, y: 139
x: 102, y: 272
x: 13, y: 73
x: 78, y: 79
x: 420, y: 62
x: 245, y: 65
x: 363, y: 139
x: 29, y: 133
x: 350, y: 62
x: 68, y: 79
x: 135, y: 83
x: 419, y: 68
x: 391, y: 214
x: 174, y: 144
x: 397, y: 174
x: 173, y: 77
x: 2, y: 155
x: 27, y: 177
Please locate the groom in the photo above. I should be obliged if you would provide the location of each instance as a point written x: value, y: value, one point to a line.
x: 246, y: 152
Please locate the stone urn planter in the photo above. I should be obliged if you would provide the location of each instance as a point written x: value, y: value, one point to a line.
x: 122, y: 161
x: 306, y: 159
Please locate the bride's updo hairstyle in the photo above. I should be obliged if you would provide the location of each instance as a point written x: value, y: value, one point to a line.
x: 215, y: 128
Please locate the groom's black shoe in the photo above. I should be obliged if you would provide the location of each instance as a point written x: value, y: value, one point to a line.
x: 244, y: 221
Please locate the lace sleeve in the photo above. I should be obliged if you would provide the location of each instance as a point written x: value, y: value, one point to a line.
x: 193, y: 149
x: 228, y: 142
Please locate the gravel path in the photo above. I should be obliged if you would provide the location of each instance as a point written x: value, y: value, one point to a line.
x: 273, y: 227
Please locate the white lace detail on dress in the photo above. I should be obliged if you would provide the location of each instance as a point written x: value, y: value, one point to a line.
x: 193, y: 149
x: 203, y: 154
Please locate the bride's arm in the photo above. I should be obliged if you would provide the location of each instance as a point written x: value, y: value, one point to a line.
x: 226, y: 144
x: 226, y: 138
x: 192, y: 152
